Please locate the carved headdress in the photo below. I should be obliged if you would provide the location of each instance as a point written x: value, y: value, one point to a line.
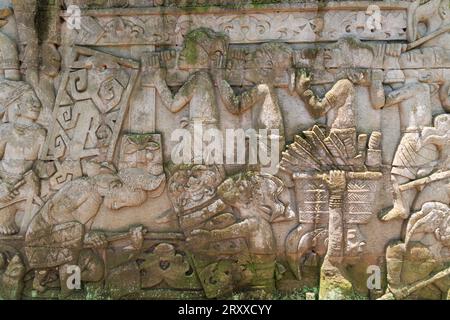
x: 10, y: 91
x: 212, y: 42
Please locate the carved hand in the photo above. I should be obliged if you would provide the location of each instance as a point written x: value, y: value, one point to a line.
x: 302, y: 81
x: 218, y: 69
x: 154, y: 72
x: 336, y: 181
x: 199, y: 237
x: 395, y: 49
x: 95, y: 240
x: 137, y: 236
x: 7, y: 193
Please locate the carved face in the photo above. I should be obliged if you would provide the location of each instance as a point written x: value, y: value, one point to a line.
x: 358, y: 76
x: 29, y: 106
x: 194, y: 186
x: 116, y: 194
x: 442, y: 123
x: 15, y: 269
x: 121, y: 197
x: 355, y: 243
x: 270, y: 61
x: 260, y: 69
x: 332, y: 58
x: 193, y: 56
x: 253, y: 190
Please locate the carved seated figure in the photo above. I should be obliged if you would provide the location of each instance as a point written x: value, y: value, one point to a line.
x: 20, y: 143
x: 255, y: 196
x: 60, y: 234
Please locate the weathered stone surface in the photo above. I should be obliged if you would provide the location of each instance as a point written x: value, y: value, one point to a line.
x: 173, y: 149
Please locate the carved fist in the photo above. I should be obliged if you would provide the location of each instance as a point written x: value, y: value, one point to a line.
x: 199, y: 237
x: 137, y: 236
x: 7, y: 193
x: 96, y: 240
x: 395, y: 49
x: 336, y: 181
x: 153, y: 72
x: 219, y: 68
x: 302, y: 80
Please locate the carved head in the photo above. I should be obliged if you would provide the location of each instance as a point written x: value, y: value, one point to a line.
x: 348, y: 52
x: 28, y: 106
x: 269, y: 61
x: 255, y: 191
x: 194, y: 185
x: 433, y: 218
x: 116, y: 193
x: 358, y: 76
x: 201, y: 47
x: 355, y: 243
x: 15, y: 269
x: 20, y: 99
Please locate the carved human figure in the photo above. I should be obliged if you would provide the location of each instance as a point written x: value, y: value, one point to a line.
x: 418, y: 268
x: 411, y: 160
x: 268, y: 62
x: 255, y: 197
x: 425, y: 19
x: 38, y: 52
x: 202, y: 48
x: 60, y: 234
x: 339, y: 102
x: 21, y: 141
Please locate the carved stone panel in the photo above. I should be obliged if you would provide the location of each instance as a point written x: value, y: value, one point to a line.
x: 194, y: 149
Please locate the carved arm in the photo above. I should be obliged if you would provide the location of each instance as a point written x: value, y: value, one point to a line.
x: 333, y: 98
x: 238, y: 230
x: 236, y: 104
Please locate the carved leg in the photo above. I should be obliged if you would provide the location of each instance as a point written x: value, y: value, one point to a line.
x: 92, y: 267
x: 402, y: 200
x: 8, y: 221
x: 92, y: 270
x: 39, y: 280
x: 394, y: 260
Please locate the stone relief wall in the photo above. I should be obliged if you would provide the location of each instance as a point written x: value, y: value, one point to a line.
x: 343, y: 110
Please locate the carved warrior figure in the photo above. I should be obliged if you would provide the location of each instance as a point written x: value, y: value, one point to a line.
x: 419, y: 268
x: 226, y: 248
x: 336, y: 178
x: 193, y: 192
x: 255, y: 197
x: 268, y: 62
x: 202, y: 48
x: 428, y: 24
x: 21, y: 141
x: 60, y: 233
x: 413, y: 160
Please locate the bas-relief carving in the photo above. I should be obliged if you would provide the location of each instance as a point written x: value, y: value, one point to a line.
x: 90, y: 136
